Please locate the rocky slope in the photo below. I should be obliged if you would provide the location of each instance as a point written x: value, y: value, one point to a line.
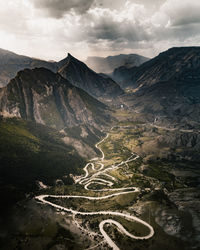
x: 110, y: 63
x: 174, y: 64
x: 168, y: 86
x: 47, y: 98
x: 72, y: 69
x: 83, y: 77
x: 11, y: 63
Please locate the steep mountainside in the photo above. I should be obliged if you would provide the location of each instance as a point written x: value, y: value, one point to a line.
x: 75, y: 71
x: 47, y: 98
x: 11, y: 63
x: 176, y: 63
x: 169, y: 86
x: 83, y: 77
x: 108, y: 64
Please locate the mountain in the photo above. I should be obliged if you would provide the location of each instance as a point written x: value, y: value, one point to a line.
x: 83, y: 77
x: 47, y: 130
x: 11, y: 63
x: 169, y: 86
x: 110, y: 63
x: 174, y: 63
x: 30, y: 154
x: 25, y: 143
x: 47, y: 98
x: 123, y: 76
x: 70, y: 68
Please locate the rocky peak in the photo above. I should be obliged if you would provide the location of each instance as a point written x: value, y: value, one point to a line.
x: 80, y: 75
x: 71, y: 57
x: 47, y: 98
x: 69, y: 62
x: 66, y: 61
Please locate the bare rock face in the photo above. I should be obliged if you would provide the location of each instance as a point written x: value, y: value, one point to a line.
x: 83, y: 77
x: 47, y: 98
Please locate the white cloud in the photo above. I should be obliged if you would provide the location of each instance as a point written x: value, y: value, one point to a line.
x: 99, y: 27
x: 178, y: 13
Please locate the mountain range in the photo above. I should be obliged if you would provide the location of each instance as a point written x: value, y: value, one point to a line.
x: 48, y: 128
x: 52, y: 114
x: 48, y: 98
x: 177, y: 62
x: 71, y: 68
x: 109, y: 64
x: 168, y: 86
x: 165, y: 87
x: 83, y: 77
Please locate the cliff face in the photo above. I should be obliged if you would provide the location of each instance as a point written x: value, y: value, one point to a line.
x: 83, y: 77
x: 47, y: 98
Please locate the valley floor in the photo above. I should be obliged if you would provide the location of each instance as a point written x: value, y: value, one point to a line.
x: 100, y: 176
x: 125, y: 200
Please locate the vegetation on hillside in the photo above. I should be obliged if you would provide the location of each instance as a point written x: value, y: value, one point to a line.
x: 31, y: 152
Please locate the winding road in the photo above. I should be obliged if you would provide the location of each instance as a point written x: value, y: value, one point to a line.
x: 97, y: 177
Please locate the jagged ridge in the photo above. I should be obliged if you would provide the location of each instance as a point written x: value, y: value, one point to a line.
x: 83, y: 77
x: 49, y: 99
x: 168, y: 86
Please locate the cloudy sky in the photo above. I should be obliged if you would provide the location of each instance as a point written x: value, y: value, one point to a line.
x: 48, y: 29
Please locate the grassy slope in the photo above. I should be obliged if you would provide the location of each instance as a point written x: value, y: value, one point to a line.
x: 31, y: 152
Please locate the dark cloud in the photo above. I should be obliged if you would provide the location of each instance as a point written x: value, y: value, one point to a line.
x: 57, y: 8
x: 185, y: 20
x: 98, y: 26
x: 119, y: 4
x: 111, y: 30
x: 188, y: 15
x: 124, y: 23
x: 176, y: 33
x: 133, y: 26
